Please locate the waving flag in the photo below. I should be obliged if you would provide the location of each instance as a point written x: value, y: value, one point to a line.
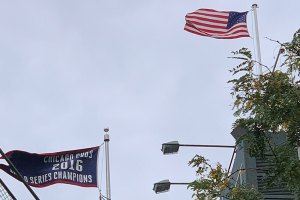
x: 217, y: 24
x: 76, y: 167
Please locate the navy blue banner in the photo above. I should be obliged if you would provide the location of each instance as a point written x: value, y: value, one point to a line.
x: 76, y: 167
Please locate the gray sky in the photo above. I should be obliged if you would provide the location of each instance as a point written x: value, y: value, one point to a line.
x: 68, y: 69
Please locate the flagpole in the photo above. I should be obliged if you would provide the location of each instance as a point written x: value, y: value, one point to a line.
x: 254, y: 6
x: 106, y: 141
x: 18, y: 174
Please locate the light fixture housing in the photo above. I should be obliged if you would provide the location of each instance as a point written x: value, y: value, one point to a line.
x: 162, y: 186
x: 170, y: 147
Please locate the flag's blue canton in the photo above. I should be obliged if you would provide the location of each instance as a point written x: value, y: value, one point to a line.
x: 235, y: 18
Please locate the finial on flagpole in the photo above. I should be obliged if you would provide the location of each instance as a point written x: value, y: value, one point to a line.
x: 106, y: 136
x: 254, y: 5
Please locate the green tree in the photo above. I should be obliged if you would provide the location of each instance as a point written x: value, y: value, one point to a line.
x: 264, y: 104
x: 270, y: 104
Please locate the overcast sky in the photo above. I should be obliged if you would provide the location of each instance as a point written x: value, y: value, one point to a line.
x: 68, y: 69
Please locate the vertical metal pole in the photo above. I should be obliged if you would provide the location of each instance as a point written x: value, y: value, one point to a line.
x: 254, y: 6
x: 299, y: 149
x: 18, y: 174
x: 106, y: 141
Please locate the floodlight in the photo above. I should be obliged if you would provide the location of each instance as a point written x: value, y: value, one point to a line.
x: 162, y: 186
x: 170, y: 147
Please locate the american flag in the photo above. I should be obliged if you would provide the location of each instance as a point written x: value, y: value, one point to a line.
x: 217, y: 24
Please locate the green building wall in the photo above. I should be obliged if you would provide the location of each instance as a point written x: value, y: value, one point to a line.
x: 250, y: 171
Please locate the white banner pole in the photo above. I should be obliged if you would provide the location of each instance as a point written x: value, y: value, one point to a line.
x: 254, y: 6
x: 106, y: 141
